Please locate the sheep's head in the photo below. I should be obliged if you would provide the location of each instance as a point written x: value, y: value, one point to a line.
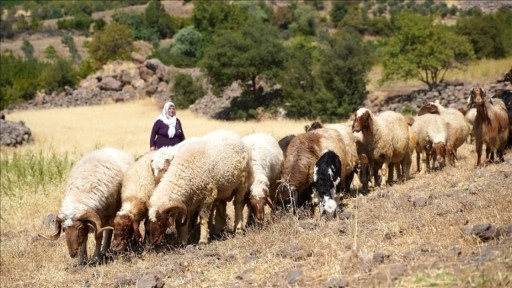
x: 362, y: 120
x: 477, y: 96
x: 124, y: 229
x: 257, y: 206
x: 429, y: 108
x: 175, y: 213
x: 76, y: 234
x: 440, y: 152
x: 315, y: 125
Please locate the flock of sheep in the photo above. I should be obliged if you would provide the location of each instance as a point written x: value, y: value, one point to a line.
x: 110, y: 194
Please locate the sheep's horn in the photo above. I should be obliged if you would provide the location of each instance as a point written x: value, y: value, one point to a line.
x: 105, y: 228
x: 56, y: 235
x: 93, y: 220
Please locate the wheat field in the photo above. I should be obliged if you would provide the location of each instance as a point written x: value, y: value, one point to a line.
x: 408, y: 235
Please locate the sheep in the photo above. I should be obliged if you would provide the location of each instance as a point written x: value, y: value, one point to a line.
x: 138, y: 184
x: 205, y: 173
x: 431, y: 133
x: 327, y: 183
x: 351, y: 159
x: 491, y: 125
x: 164, y: 156
x: 91, y: 200
x: 386, y: 138
x: 506, y: 96
x: 297, y: 174
x: 267, y: 160
x: 469, y: 115
x: 457, y: 127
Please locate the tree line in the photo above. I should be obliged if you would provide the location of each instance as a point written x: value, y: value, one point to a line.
x: 317, y: 61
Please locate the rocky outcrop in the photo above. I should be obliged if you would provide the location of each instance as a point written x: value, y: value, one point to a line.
x: 14, y: 133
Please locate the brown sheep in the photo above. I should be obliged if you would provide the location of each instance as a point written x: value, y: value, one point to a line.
x: 491, y: 125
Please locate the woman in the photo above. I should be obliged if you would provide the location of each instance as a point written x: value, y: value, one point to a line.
x: 167, y: 130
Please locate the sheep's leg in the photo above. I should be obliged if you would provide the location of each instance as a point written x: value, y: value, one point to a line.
x: 391, y: 168
x: 205, y: 212
x: 182, y: 230
x: 376, y: 174
x: 220, y: 217
x: 499, y: 153
x: 478, y: 148
x: 146, y: 231
x: 239, y: 203
x: 97, y: 250
x: 82, y: 258
x: 107, y: 238
x: 418, y: 157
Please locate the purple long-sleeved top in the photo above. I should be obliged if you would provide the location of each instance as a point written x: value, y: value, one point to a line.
x: 160, y: 136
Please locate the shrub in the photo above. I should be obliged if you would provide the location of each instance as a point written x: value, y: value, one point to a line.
x: 186, y: 90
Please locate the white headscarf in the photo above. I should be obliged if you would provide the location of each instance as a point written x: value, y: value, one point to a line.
x: 168, y: 119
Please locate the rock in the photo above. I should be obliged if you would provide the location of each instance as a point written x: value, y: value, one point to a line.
x: 110, y: 84
x: 420, y: 202
x: 137, y: 58
x: 14, y: 133
x: 380, y: 257
x: 152, y: 280
x: 336, y: 283
x: 295, y: 276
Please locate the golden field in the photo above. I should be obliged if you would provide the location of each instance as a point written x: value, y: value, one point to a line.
x: 408, y: 235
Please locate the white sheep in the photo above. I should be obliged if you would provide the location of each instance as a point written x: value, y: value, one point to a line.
x: 456, y: 126
x: 138, y: 185
x: 205, y: 173
x: 386, y: 138
x: 267, y: 159
x: 431, y: 133
x: 91, y: 200
x: 163, y: 157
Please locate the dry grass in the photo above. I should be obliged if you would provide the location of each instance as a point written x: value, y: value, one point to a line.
x: 418, y: 246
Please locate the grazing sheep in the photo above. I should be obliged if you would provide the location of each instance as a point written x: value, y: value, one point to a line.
x: 491, y: 125
x: 138, y: 184
x: 267, y: 160
x: 469, y: 115
x: 456, y: 126
x: 386, y: 138
x: 205, y: 173
x: 91, y: 200
x: 350, y: 163
x: 326, y: 184
x: 431, y: 134
x: 506, y: 96
x: 303, y: 152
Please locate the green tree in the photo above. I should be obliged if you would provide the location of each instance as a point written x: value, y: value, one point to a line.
x: 50, y: 53
x: 186, y: 90
x: 210, y: 16
x: 114, y: 42
x: 68, y: 40
x: 252, y: 51
x: 424, y: 51
x: 28, y: 49
x: 157, y: 18
x: 344, y: 67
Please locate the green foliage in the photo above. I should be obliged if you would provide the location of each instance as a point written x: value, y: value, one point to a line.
x: 424, y: 51
x: 28, y: 49
x: 113, y: 43
x: 186, y: 90
x: 157, y: 18
x: 32, y: 171
x: 50, y: 53
x: 210, y: 16
x: 252, y: 51
x: 490, y: 34
x: 304, y: 22
x: 345, y: 64
x: 282, y: 17
x: 184, y: 51
x: 338, y: 12
x: 81, y: 22
x: 6, y: 30
x: 58, y: 75
x: 69, y: 41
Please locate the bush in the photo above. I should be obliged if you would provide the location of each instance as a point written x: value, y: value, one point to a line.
x: 186, y: 90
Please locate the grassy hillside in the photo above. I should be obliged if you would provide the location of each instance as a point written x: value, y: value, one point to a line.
x: 408, y: 235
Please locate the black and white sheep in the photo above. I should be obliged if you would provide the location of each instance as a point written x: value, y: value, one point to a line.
x: 91, y: 200
x: 267, y: 161
x: 205, y: 174
x: 327, y: 183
